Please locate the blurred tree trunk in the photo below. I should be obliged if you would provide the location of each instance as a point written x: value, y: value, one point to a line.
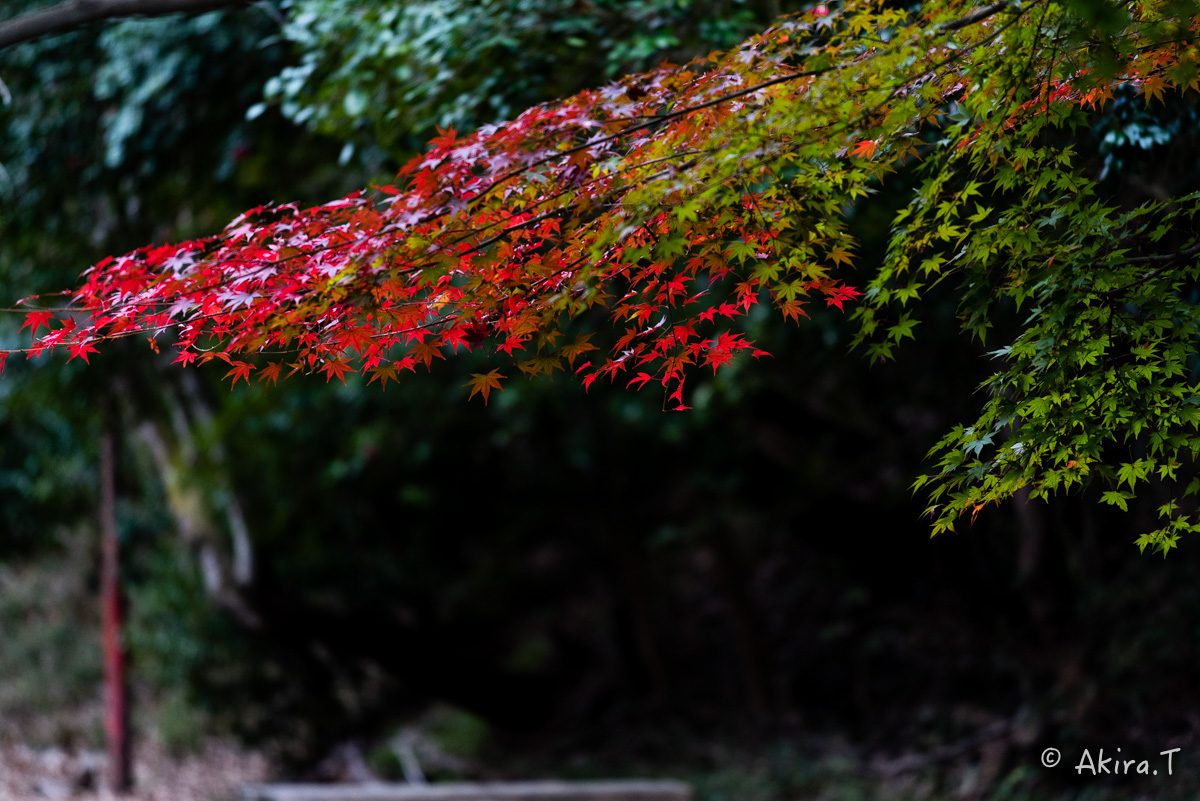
x: 641, y: 613
x: 116, y: 697
x: 747, y: 628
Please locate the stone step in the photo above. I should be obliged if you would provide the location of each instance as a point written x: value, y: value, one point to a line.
x: 626, y: 790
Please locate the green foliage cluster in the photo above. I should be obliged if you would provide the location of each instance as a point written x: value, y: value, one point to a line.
x: 382, y: 76
x: 1097, y: 286
x: 101, y: 120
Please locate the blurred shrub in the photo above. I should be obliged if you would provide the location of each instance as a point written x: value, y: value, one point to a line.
x: 384, y: 75
x: 49, y: 648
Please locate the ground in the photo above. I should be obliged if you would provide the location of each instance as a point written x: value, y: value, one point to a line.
x: 214, y: 773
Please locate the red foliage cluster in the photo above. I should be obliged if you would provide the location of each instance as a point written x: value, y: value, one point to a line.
x: 588, y: 207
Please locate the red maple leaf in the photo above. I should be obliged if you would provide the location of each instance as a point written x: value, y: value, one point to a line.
x: 81, y: 349
x: 185, y: 356
x: 240, y: 370
x: 35, y: 320
x: 270, y: 372
x: 455, y: 336
x: 338, y: 367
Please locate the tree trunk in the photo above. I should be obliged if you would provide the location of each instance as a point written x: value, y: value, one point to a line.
x: 747, y: 631
x: 116, y: 706
x: 76, y: 13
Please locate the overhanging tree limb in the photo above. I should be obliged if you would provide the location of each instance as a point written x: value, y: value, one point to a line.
x: 596, y: 216
x: 77, y: 13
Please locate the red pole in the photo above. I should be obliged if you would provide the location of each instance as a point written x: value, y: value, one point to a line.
x: 116, y: 709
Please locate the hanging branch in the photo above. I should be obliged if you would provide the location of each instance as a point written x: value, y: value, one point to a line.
x: 77, y: 13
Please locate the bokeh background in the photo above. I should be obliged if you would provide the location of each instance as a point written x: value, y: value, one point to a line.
x: 336, y: 578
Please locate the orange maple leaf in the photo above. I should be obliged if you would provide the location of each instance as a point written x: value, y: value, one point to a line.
x: 580, y: 345
x: 383, y: 373
x: 865, y: 149
x: 484, y: 383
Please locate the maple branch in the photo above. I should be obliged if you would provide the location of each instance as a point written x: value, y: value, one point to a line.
x: 1164, y: 257
x: 650, y: 123
x: 464, y: 235
x: 76, y: 13
x: 1167, y: 260
x: 459, y: 237
x: 971, y: 19
x: 658, y: 120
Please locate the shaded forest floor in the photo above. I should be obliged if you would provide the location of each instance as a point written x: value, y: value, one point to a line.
x: 824, y: 769
x: 213, y: 773
x: 1128, y: 686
